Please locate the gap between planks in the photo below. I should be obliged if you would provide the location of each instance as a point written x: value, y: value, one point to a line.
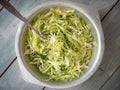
x: 8, y: 67
x: 3, y: 7
x: 109, y: 77
x: 119, y: 65
x: 99, y: 68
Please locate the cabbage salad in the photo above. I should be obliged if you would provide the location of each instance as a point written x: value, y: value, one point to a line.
x: 65, y: 55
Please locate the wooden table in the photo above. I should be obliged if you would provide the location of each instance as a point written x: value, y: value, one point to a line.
x: 107, y: 76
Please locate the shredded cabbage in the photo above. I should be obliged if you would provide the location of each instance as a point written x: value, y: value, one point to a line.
x: 65, y: 55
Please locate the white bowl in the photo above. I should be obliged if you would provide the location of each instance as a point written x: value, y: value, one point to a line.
x: 90, y: 15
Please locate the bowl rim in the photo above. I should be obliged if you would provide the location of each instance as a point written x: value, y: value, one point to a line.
x: 99, y: 32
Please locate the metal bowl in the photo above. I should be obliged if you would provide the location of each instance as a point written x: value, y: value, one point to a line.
x: 90, y: 15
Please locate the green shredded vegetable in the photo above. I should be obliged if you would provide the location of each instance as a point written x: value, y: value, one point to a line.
x: 65, y: 55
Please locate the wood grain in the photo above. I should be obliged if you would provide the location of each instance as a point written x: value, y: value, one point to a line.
x: 12, y: 80
x: 9, y: 24
x: 114, y: 82
x: 111, y: 59
x: 8, y: 27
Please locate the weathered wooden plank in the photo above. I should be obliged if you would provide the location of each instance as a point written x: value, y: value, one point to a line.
x: 7, y: 35
x: 114, y: 82
x: 111, y: 59
x: 102, y: 6
x: 8, y: 28
x: 12, y: 80
x: 9, y: 24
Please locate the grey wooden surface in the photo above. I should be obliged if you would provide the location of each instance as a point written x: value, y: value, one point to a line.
x: 9, y: 24
x: 114, y: 82
x: 8, y: 28
x: 108, y: 79
x: 12, y: 80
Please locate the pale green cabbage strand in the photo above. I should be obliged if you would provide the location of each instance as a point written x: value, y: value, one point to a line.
x: 65, y: 55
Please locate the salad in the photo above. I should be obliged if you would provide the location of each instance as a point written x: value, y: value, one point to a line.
x: 65, y: 55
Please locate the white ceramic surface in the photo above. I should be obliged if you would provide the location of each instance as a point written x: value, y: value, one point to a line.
x: 91, y: 16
